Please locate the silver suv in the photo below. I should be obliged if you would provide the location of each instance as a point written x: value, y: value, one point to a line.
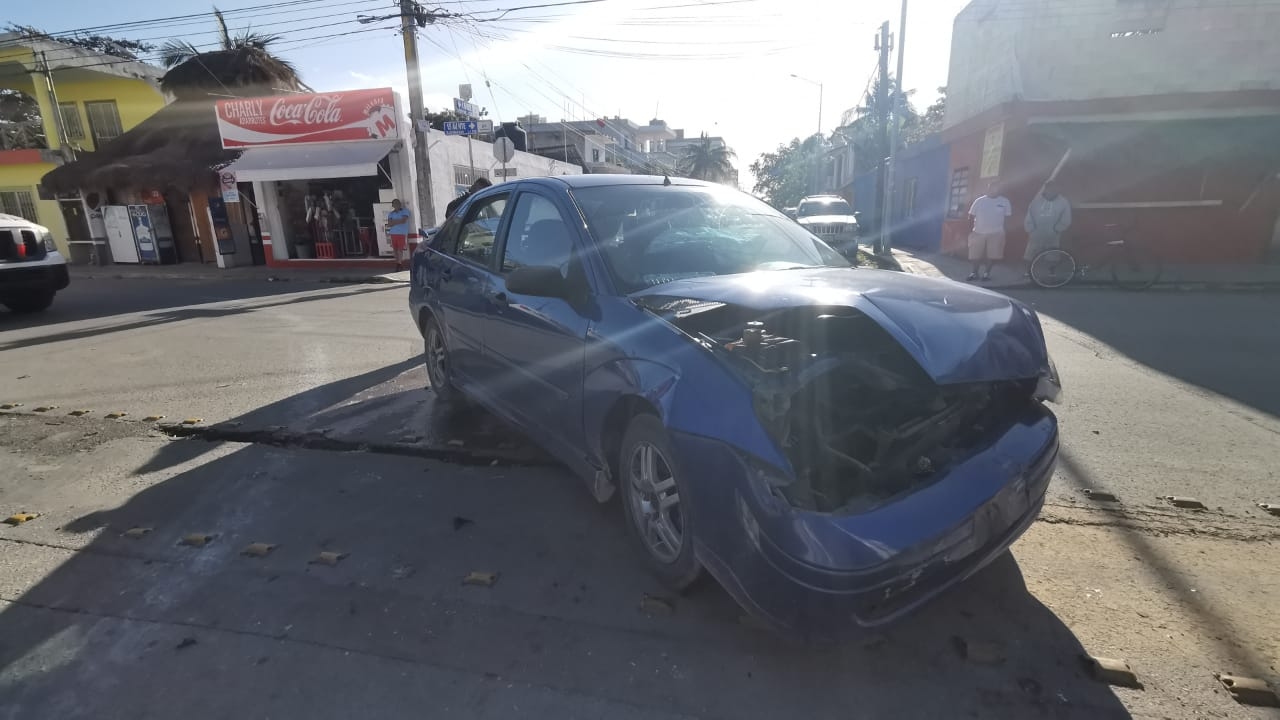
x: 831, y: 218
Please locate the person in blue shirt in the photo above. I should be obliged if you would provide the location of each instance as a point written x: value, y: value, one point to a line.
x: 398, y: 230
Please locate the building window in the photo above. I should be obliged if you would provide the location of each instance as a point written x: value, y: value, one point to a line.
x: 18, y: 202
x: 71, y: 120
x: 909, y: 198
x: 959, y: 192
x: 595, y: 155
x: 104, y: 121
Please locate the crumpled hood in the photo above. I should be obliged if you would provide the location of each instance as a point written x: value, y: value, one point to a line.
x: 957, y: 333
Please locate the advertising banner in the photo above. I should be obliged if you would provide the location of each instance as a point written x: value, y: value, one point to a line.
x: 308, y: 118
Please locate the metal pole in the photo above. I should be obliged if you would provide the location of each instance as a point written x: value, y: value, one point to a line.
x: 64, y: 140
x: 471, y: 162
x: 899, y: 100
x: 421, y: 151
x: 882, y: 121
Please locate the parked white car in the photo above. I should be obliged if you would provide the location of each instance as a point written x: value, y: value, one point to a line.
x: 32, y: 270
x: 831, y: 218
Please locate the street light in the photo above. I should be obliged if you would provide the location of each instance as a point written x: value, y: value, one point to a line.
x: 814, y: 82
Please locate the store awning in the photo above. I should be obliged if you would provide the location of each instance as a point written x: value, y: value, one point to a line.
x: 312, y: 162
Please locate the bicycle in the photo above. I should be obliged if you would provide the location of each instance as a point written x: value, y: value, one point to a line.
x: 1131, y: 269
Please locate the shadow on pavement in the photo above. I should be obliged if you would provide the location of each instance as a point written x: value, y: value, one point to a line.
x: 124, y: 626
x: 1223, y: 342
x: 162, y: 317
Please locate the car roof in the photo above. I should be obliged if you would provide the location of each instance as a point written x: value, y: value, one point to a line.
x: 11, y: 220
x: 608, y: 179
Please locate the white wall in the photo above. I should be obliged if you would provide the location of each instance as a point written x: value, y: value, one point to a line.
x: 1004, y: 50
x: 450, y: 150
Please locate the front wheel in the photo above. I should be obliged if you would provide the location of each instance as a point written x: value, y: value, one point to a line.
x: 656, y: 503
x: 436, y: 358
x: 1132, y: 271
x: 1053, y: 268
x: 33, y: 302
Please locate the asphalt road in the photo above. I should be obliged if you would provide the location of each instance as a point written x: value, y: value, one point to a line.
x: 1167, y: 394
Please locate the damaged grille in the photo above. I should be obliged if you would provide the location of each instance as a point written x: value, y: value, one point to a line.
x: 856, y: 416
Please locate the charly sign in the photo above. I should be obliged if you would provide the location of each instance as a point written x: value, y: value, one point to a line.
x: 308, y: 118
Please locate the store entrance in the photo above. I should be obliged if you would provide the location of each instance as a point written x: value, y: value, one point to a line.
x: 331, y: 218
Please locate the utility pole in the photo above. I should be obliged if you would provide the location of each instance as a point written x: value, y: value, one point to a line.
x: 64, y: 141
x: 413, y: 16
x: 886, y: 238
x: 883, y: 44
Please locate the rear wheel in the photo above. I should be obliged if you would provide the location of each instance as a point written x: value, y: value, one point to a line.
x: 1053, y: 268
x: 1132, y: 270
x: 436, y: 353
x: 656, y: 504
x: 33, y: 302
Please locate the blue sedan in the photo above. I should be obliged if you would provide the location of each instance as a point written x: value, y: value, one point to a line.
x: 832, y: 444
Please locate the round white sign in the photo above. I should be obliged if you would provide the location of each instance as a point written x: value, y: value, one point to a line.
x: 504, y: 149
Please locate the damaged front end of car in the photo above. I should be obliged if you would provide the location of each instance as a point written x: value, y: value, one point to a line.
x: 856, y: 416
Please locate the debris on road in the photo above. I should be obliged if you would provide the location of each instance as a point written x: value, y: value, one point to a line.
x: 185, y: 643
x: 1100, y: 495
x: 116, y: 415
x: 1249, y: 691
x: 45, y: 408
x: 136, y: 533
x: 654, y: 605
x: 258, y: 549
x: 460, y: 522
x: 79, y: 413
x: 455, y: 443
x: 400, y: 572
x: 10, y: 406
x: 1111, y: 671
x: 198, y: 540
x: 327, y: 558
x: 153, y: 418
x: 1184, y: 502
x: 19, y: 518
x: 1273, y: 508
x: 483, y: 579
x: 978, y: 651
x: 193, y: 421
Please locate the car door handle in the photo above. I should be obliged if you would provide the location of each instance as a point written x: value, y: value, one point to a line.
x: 499, y: 299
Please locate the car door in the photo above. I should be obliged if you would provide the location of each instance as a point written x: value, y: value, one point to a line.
x: 463, y: 282
x: 537, y: 345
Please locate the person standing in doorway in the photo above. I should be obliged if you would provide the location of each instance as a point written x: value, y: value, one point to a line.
x: 398, y: 229
x: 986, y: 242
x: 1047, y: 218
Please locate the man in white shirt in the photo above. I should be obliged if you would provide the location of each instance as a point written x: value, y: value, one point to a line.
x: 986, y: 242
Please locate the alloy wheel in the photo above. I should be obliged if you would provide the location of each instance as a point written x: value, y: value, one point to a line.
x: 655, y: 502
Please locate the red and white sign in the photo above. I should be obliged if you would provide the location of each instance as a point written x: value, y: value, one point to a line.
x: 299, y: 119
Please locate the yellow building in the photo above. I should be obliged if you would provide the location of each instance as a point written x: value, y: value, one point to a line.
x: 85, y: 99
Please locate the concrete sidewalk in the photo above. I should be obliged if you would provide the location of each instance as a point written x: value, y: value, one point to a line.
x: 210, y: 271
x: 1180, y: 277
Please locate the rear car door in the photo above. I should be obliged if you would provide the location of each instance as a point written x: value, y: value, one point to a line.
x: 463, y: 281
x: 537, y: 344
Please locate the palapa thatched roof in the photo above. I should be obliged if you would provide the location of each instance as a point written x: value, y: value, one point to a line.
x: 177, y: 147
x: 245, y: 71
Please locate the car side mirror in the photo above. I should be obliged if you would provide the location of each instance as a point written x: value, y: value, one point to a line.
x: 539, y: 281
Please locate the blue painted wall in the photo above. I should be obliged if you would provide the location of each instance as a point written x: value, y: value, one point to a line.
x: 927, y: 163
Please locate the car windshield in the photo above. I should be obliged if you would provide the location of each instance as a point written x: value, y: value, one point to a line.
x: 656, y: 234
x: 834, y: 206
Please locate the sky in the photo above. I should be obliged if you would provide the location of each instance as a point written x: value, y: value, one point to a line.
x: 723, y: 67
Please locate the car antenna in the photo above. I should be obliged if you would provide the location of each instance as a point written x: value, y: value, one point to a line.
x: 666, y: 180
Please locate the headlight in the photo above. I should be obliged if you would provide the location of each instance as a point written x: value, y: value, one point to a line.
x: 1049, y: 386
x: 49, y: 245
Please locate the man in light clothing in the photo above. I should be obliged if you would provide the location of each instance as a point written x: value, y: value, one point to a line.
x: 1048, y: 217
x: 398, y: 229
x: 986, y: 242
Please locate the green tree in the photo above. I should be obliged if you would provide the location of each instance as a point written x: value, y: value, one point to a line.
x: 708, y: 161
x: 785, y: 175
x: 861, y: 125
x: 20, y: 125
x: 931, y: 121
x: 242, y: 62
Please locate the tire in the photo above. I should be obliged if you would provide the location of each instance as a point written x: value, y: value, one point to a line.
x: 436, y: 358
x: 655, y: 526
x: 1053, y: 268
x: 1132, y: 271
x: 34, y: 302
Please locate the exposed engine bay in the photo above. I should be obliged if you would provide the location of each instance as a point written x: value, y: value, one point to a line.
x: 856, y: 416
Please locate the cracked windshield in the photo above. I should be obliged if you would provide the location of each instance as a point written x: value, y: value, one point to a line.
x: 724, y: 359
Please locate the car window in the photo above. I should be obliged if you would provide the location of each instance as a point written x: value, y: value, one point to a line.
x: 476, y: 236
x: 537, y: 235
x: 834, y: 206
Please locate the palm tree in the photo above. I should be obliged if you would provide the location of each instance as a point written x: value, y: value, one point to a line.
x: 241, y: 66
x: 708, y: 161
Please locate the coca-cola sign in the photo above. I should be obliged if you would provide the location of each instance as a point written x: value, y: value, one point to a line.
x: 310, y: 118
